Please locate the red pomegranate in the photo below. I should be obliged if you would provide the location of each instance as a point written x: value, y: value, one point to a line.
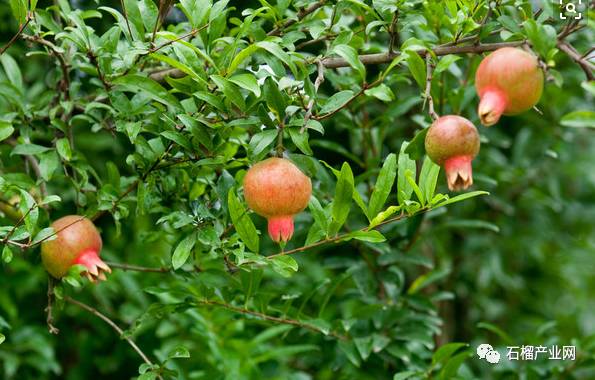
x: 77, y: 242
x: 276, y: 189
x: 452, y: 142
x: 508, y: 81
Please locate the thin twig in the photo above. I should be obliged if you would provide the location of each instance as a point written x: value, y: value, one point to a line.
x: 317, y: 83
x: 112, y: 324
x: 126, y: 18
x: 394, y: 33
x: 16, y: 36
x: 587, y: 66
x: 93, y: 59
x: 55, y: 51
x: 189, y: 34
x: 138, y: 268
x: 343, y: 236
x: 428, y: 93
x: 301, y: 14
x: 50, y: 317
x: 35, y: 166
x: 271, y: 318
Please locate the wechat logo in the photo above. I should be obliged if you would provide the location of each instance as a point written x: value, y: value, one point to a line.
x: 487, y: 352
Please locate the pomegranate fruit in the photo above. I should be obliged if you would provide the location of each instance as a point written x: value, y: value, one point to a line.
x: 276, y: 189
x: 452, y: 142
x: 508, y: 81
x: 77, y: 242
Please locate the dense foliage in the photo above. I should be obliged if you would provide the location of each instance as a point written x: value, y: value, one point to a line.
x: 144, y: 116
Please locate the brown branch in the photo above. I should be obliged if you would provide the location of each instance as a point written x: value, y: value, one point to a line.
x: 50, y: 317
x: 16, y: 36
x: 112, y: 324
x: 137, y: 268
x: 301, y: 14
x: 126, y: 17
x: 343, y: 236
x: 271, y: 318
x: 585, y: 65
x: 428, y: 93
x: 55, y: 51
x: 310, y: 106
x: 189, y: 34
x: 160, y: 75
x: 93, y: 59
x: 379, y: 58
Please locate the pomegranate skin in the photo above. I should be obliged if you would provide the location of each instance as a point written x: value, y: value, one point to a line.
x: 77, y: 242
x: 453, y: 142
x: 508, y: 81
x: 277, y: 189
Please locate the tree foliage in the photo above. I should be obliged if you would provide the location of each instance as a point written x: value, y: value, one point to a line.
x: 144, y: 116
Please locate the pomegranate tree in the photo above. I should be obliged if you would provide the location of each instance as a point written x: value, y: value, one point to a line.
x: 77, y: 242
x: 508, y: 81
x: 453, y: 142
x: 276, y: 189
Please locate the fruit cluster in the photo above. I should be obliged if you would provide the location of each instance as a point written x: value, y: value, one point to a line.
x: 508, y: 81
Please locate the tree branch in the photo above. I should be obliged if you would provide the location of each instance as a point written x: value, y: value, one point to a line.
x: 112, y: 324
x: 582, y: 61
x: 428, y: 93
x: 271, y: 318
x: 50, y: 317
x: 16, y: 36
x: 310, y: 106
x: 301, y: 14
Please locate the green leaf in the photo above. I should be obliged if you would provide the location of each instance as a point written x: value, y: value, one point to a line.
x: 242, y: 222
x: 350, y: 55
x: 416, y: 147
x: 427, y: 279
x: 19, y: 10
x: 409, y: 175
x: 2, y: 338
x: 230, y: 91
x: 384, y: 185
x: 468, y: 224
x: 404, y: 188
x: 6, y: 130
x: 46, y: 234
x: 178, y: 138
x: 404, y: 375
x: 446, y: 351
x: 274, y: 98
x: 381, y: 92
x: 579, y: 119
x: 139, y: 83
x: 364, y: 346
x: 417, y: 67
x: 371, y: 236
x: 451, y: 368
x: 29, y: 149
x: 445, y: 62
x: 12, y: 70
x: 318, y: 213
x: 496, y: 330
x: 7, y: 258
x: 428, y: 178
x: 382, y: 216
x: 260, y: 142
x: 336, y: 101
x: 542, y: 37
x: 461, y: 197
x: 178, y: 352
x: 63, y: 148
x: 300, y: 139
x: 276, y: 50
x: 284, y: 265
x: 182, y: 251
x: 343, y: 198
x: 248, y: 82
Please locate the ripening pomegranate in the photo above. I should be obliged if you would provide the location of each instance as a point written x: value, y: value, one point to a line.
x: 77, y: 242
x: 453, y: 142
x: 508, y: 81
x: 276, y: 189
